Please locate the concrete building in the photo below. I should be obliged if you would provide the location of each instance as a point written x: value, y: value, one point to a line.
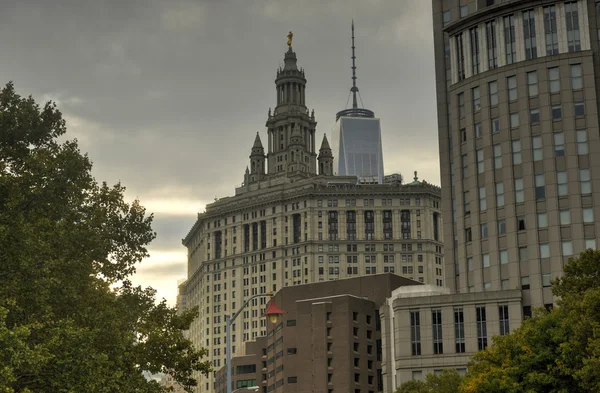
x: 357, y: 138
x: 518, y: 124
x: 292, y: 222
x: 329, y: 339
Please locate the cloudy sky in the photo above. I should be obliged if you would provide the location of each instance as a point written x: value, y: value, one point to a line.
x: 167, y: 95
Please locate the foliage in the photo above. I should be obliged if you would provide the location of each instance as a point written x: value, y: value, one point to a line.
x: 70, y: 321
x: 555, y: 351
x: 447, y: 381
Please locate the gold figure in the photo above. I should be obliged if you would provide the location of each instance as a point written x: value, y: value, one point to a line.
x: 289, y: 37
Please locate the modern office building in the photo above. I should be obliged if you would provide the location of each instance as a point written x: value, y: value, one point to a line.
x: 518, y: 125
x: 357, y: 138
x: 329, y: 339
x: 292, y: 222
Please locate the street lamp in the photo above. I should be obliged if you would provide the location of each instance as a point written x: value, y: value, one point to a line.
x: 272, y: 311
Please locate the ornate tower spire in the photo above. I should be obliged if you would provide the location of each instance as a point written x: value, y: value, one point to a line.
x: 325, y: 158
x: 257, y: 160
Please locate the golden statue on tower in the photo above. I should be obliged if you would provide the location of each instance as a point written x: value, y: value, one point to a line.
x: 289, y: 37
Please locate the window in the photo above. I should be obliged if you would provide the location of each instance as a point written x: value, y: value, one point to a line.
x: 585, y: 184
x: 503, y: 256
x: 561, y: 179
x: 540, y: 187
x: 481, y: 327
x: 516, y: 152
x: 546, y: 280
x: 474, y: 34
x: 468, y: 235
x: 482, y: 199
x: 556, y: 112
x: 483, y: 229
x: 480, y: 162
x: 467, y: 202
x: 499, y: 194
x: 532, y: 84
x: 446, y: 17
x: 536, y: 143
x: 497, y: 156
x: 485, y: 260
x: 579, y: 109
x: 590, y: 243
x: 582, y: 142
x: 542, y: 220
x: 529, y: 34
x: 534, y: 116
x: 478, y: 131
x: 588, y: 215
x: 572, y: 17
x: 509, y: 39
x: 521, y: 223
x: 559, y: 144
x: 519, y: 191
x: 436, y: 319
x: 567, y: 248
x: 495, y: 125
x: 463, y: 135
x: 511, y: 82
x: 461, y: 104
x: 550, y: 30
x: 464, y: 11
x: 459, y: 330
x: 525, y: 282
x: 476, y: 99
x: 523, y: 253
x: 470, y: 266
x: 502, y: 227
x: 554, y: 79
x: 490, y: 35
x: 493, y: 92
x: 565, y: 217
x: 576, y: 77
x: 503, y: 316
x: 544, y: 250
x: 415, y: 332
x: 460, y: 56
x: 514, y: 120
x: 465, y: 166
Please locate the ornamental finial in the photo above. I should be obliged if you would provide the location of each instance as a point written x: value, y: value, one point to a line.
x: 289, y: 37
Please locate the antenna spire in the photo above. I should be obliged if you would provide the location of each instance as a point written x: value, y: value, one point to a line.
x: 354, y: 89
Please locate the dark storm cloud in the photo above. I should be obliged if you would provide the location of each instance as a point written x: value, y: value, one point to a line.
x: 167, y: 95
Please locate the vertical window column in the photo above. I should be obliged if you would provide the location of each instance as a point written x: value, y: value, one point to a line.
x: 415, y: 332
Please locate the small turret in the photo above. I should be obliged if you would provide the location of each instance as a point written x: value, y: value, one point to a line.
x: 325, y: 158
x: 257, y: 160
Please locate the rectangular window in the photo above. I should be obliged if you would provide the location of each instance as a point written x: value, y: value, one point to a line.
x: 503, y: 316
x: 572, y: 17
x: 481, y: 327
x: 544, y: 250
x: 485, y: 260
x: 559, y: 144
x: 588, y: 215
x: 590, y: 244
x: 495, y: 122
x: 464, y: 11
x: 478, y: 131
x: 509, y: 39
x: 565, y: 217
x: 511, y: 83
x: 546, y: 280
x: 532, y: 84
x: 534, y: 116
x: 529, y: 34
x: 460, y: 56
x: 476, y: 99
x: 436, y: 319
x: 561, y: 179
x: 556, y: 112
x: 480, y: 162
x: 576, y: 77
x: 482, y: 199
x: 502, y: 227
x: 499, y: 194
x: 523, y: 254
x: 415, y: 332
x: 474, y: 34
x: 490, y: 34
x: 514, y: 120
x: 579, y: 109
x: 497, y: 156
x: 461, y: 105
x: 516, y: 152
x: 525, y: 282
x: 521, y: 223
x: 465, y: 166
x: 459, y: 330
x: 519, y: 191
x: 567, y: 248
x: 503, y: 256
x: 536, y: 143
x: 554, y: 79
x: 585, y: 184
x: 467, y: 202
x: 446, y: 17
x: 540, y: 187
x: 483, y: 229
x: 493, y: 92
x: 550, y: 30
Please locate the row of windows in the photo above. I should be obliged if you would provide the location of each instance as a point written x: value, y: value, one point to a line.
x: 459, y: 329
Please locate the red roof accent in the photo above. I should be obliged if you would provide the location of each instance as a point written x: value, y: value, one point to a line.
x: 273, y: 308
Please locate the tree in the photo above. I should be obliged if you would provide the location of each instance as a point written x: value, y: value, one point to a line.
x: 447, y: 381
x: 556, y: 351
x: 70, y: 321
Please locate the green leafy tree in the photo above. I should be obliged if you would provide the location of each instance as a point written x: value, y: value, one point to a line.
x: 447, y: 381
x: 70, y: 321
x: 556, y: 351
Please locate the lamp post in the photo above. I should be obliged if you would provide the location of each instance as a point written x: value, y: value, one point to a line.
x: 272, y: 314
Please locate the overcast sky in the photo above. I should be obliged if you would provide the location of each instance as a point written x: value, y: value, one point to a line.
x: 167, y: 95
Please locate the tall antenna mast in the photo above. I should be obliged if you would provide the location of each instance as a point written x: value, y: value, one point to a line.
x: 354, y: 89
